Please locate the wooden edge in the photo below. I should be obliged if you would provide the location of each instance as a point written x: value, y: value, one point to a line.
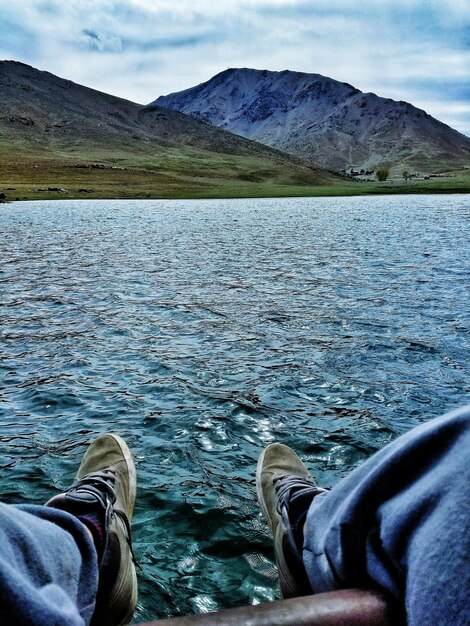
x: 350, y: 607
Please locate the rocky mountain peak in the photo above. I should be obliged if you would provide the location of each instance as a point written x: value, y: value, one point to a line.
x: 325, y: 121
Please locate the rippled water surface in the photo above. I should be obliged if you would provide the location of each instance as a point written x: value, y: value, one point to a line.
x: 201, y: 331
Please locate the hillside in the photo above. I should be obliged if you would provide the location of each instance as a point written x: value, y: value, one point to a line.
x: 56, y: 133
x: 327, y: 122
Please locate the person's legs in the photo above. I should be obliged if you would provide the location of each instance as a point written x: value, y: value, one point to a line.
x: 103, y: 497
x: 48, y: 567
x: 71, y: 561
x: 400, y: 522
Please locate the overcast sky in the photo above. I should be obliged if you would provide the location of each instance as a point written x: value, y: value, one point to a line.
x: 414, y: 50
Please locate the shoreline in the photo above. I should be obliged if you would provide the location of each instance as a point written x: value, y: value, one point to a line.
x: 16, y: 191
x: 57, y: 182
x: 336, y: 193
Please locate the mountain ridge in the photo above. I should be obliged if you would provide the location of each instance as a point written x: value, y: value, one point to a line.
x: 50, y: 123
x: 325, y: 121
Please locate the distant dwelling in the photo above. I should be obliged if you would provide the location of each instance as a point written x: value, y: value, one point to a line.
x: 352, y: 171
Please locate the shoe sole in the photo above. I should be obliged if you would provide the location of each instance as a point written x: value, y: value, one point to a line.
x: 259, y: 490
x: 126, y: 453
x: 132, y: 495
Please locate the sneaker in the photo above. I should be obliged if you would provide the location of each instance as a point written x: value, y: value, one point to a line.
x: 285, y: 491
x: 103, y: 496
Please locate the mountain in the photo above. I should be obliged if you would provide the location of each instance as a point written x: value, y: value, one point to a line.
x: 55, y: 132
x: 323, y: 120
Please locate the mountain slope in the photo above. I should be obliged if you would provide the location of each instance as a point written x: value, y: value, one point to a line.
x: 325, y: 121
x: 50, y: 126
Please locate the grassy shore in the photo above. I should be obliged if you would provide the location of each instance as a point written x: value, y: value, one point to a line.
x: 186, y: 177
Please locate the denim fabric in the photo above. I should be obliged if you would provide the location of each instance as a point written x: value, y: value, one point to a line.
x: 401, y: 522
x: 48, y: 568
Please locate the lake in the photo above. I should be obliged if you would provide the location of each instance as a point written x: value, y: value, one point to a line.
x: 201, y: 331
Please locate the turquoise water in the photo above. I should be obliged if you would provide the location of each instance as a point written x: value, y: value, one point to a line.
x: 201, y: 331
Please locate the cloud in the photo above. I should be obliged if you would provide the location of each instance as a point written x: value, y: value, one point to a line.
x: 102, y: 42
x: 415, y: 50
x: 178, y: 41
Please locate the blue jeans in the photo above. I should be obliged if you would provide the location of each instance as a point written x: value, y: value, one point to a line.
x: 48, y: 568
x: 401, y: 522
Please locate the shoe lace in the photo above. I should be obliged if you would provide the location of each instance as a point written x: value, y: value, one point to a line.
x: 99, y: 484
x: 124, y: 519
x: 102, y: 485
x: 294, y: 496
x: 286, y: 486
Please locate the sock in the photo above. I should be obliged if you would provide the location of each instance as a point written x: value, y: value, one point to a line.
x: 93, y: 521
x: 298, y: 508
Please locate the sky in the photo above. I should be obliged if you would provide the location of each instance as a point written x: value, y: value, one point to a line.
x: 413, y: 50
